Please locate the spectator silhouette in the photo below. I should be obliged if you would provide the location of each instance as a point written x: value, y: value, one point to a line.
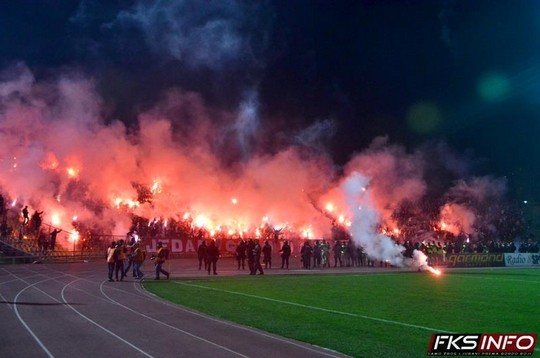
x: 52, y: 236
x: 36, y: 220
x: 213, y: 256
x: 25, y: 213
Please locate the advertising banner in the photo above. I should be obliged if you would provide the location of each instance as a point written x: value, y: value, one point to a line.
x: 189, y: 245
x: 525, y: 260
x: 475, y: 260
x: 186, y: 246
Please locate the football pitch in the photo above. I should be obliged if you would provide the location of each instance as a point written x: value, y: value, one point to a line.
x: 369, y: 314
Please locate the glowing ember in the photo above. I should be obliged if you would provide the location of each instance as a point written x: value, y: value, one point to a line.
x: 50, y: 162
x: 156, y: 187
x: 307, y: 232
x: 72, y: 172
x: 201, y: 221
x: 74, y: 236
x: 127, y: 202
x: 55, y: 219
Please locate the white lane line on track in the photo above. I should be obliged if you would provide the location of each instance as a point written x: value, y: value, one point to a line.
x: 38, y: 341
x: 153, y: 297
x: 97, y: 324
x: 18, y: 279
x: 150, y: 296
x: 68, y: 305
x: 168, y: 325
x: 110, y: 300
x: 6, y: 301
x: 318, y: 308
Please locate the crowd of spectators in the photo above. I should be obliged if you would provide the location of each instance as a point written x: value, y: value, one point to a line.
x: 338, y: 250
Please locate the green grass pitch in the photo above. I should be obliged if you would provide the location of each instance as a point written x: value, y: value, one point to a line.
x: 369, y: 315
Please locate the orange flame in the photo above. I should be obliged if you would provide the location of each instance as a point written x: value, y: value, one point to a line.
x: 50, y: 162
x: 434, y: 271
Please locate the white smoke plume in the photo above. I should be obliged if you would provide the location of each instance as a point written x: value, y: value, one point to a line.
x: 247, y: 122
x: 365, y: 219
x: 315, y: 135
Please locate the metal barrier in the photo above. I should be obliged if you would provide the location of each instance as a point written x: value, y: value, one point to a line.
x: 60, y: 258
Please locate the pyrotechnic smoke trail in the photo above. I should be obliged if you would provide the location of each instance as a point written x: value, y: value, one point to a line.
x: 365, y: 219
x: 247, y: 122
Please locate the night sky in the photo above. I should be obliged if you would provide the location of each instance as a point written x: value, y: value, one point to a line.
x: 463, y: 72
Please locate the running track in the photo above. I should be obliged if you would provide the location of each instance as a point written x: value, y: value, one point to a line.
x: 71, y: 310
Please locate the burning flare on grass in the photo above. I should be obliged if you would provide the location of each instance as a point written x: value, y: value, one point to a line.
x: 420, y: 261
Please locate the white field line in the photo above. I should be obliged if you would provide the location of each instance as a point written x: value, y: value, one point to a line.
x: 496, y: 279
x: 321, y: 309
x: 318, y: 308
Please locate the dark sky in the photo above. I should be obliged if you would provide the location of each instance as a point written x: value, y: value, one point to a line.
x: 465, y: 72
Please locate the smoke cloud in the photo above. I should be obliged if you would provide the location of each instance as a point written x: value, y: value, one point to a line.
x: 59, y: 155
x: 210, y: 34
